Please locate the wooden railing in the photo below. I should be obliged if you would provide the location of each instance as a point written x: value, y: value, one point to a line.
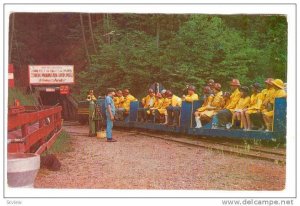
x: 33, y: 131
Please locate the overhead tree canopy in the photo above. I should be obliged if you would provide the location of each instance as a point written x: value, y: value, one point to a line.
x: 135, y: 50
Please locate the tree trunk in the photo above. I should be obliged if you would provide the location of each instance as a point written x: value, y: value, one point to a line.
x: 92, y: 33
x: 84, y: 40
x: 108, y: 30
x: 157, y: 34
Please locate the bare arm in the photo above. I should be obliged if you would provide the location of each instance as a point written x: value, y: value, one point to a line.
x: 110, y: 113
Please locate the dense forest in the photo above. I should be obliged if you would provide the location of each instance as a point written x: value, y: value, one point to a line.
x: 135, y: 50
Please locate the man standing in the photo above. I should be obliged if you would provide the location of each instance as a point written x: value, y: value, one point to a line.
x: 110, y: 111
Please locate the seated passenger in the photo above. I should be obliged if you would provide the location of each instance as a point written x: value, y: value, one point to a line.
x: 163, y: 93
x: 268, y: 93
x: 224, y: 116
x: 211, y: 84
x: 213, y: 105
x: 91, y: 96
x: 254, y: 107
x: 147, y: 102
x: 161, y: 113
x: 125, y: 106
x: 191, y: 96
x: 241, y: 105
x: 157, y: 105
x: 173, y: 110
x: 279, y: 92
x: 118, y: 99
x: 226, y: 101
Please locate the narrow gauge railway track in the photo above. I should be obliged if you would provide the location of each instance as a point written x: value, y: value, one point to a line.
x: 229, y: 147
x: 235, y: 149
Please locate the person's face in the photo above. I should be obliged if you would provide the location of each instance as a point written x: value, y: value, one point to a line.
x: 119, y: 94
x: 190, y: 92
x: 151, y: 94
x: 126, y: 94
x: 243, y: 94
x: 232, y: 87
x: 91, y: 91
x: 113, y: 94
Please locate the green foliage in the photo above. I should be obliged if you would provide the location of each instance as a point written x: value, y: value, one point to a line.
x: 185, y: 49
x: 62, y: 144
x: 17, y: 93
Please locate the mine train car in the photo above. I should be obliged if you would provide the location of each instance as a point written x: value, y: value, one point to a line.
x: 187, y: 123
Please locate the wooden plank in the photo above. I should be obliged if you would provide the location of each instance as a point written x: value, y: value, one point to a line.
x: 48, y: 144
x: 25, y: 118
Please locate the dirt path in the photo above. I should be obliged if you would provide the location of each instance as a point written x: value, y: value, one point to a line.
x: 138, y: 162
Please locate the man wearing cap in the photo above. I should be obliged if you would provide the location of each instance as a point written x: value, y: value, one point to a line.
x: 173, y: 110
x: 147, y: 102
x: 279, y: 92
x: 225, y: 115
x: 268, y: 94
x: 254, y: 107
x: 110, y: 113
x: 191, y: 96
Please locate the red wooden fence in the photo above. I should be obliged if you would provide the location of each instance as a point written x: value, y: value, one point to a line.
x: 33, y: 131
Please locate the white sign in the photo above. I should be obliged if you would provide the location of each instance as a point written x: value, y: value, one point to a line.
x: 51, y: 74
x: 10, y: 75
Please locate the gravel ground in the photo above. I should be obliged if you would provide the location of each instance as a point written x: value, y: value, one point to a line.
x: 139, y: 162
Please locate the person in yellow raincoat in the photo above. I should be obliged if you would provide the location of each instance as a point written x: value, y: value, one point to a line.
x: 91, y: 96
x: 118, y: 99
x: 268, y: 93
x: 226, y: 101
x: 162, y: 111
x: 241, y: 105
x: 147, y: 102
x: 214, y: 104
x: 224, y: 116
x: 157, y: 105
x: 191, y: 96
x: 127, y: 99
x: 173, y: 110
x: 279, y: 92
x: 254, y: 107
x: 125, y: 105
x: 207, y: 99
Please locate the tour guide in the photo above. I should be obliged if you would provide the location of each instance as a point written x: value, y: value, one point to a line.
x: 110, y: 111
